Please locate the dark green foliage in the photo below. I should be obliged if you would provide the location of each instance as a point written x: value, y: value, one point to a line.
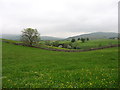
x: 78, y: 39
x: 65, y: 45
x: 55, y: 43
x: 83, y: 40
x: 74, y: 45
x: 73, y: 40
x: 78, y: 47
x: 48, y: 43
x: 87, y: 39
x: 30, y: 36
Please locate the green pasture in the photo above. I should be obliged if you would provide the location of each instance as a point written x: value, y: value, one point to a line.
x: 27, y: 67
x: 96, y: 43
x: 86, y: 45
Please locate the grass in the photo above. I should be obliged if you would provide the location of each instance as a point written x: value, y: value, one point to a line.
x: 11, y: 41
x: 53, y: 47
x: 27, y: 67
x: 93, y: 43
x: 87, y: 45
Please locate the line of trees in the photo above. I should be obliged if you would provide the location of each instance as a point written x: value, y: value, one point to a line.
x: 31, y: 37
x: 82, y: 39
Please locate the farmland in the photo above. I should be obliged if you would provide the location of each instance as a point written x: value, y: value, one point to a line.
x: 87, y: 45
x: 27, y: 67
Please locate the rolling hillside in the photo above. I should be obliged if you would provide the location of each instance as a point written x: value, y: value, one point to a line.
x: 17, y: 37
x: 50, y: 38
x: 96, y: 35
x: 27, y: 67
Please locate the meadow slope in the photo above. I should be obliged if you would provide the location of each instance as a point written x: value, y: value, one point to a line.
x: 27, y: 67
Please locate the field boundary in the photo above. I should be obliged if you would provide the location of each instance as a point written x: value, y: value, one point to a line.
x: 62, y: 50
x: 91, y: 49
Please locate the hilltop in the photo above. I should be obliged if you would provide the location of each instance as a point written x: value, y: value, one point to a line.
x: 92, y: 36
x: 96, y: 35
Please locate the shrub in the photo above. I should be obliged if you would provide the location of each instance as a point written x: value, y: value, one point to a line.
x: 47, y: 43
x: 73, y: 40
x: 78, y: 39
x: 56, y: 43
x: 83, y: 40
x: 87, y: 39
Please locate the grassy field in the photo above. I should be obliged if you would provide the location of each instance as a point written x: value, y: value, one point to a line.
x: 27, y: 67
x: 93, y: 43
x: 87, y: 45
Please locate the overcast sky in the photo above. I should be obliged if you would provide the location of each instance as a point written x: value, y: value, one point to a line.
x: 59, y: 18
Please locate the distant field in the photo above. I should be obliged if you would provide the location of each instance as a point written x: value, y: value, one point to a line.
x: 27, y: 67
x: 94, y: 43
x: 88, y: 44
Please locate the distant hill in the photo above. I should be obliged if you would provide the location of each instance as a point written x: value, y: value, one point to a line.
x: 92, y: 36
x: 50, y: 38
x: 96, y: 35
x: 17, y: 37
x: 11, y: 36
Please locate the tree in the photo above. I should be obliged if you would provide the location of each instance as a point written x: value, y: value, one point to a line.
x: 74, y: 45
x: 78, y: 39
x: 87, y: 39
x: 30, y: 36
x: 65, y: 45
x: 73, y: 40
x: 83, y: 40
x: 56, y: 43
x: 48, y: 42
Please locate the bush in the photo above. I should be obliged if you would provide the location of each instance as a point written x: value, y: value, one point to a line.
x: 74, y: 45
x: 69, y: 46
x: 83, y: 40
x: 65, y: 45
x: 87, y: 39
x: 78, y: 39
x: 77, y: 47
x: 73, y: 40
x: 56, y: 43
x: 47, y: 43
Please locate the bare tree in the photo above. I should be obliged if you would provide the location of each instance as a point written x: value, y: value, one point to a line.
x: 30, y: 36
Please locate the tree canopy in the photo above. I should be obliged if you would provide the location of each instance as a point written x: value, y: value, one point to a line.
x: 30, y: 36
x: 73, y: 40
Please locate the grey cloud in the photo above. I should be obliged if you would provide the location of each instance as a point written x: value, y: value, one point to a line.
x: 56, y: 16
